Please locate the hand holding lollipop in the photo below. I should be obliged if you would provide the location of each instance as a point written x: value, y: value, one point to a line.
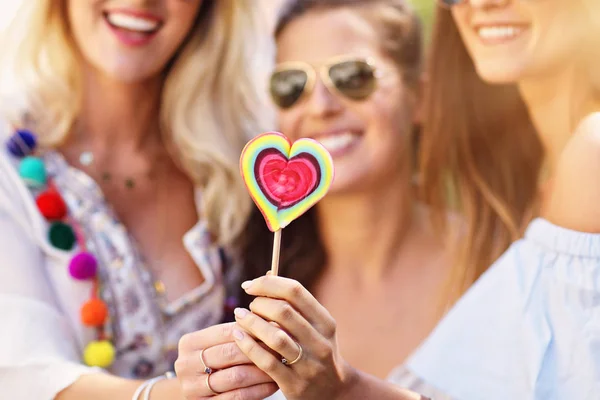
x: 285, y: 180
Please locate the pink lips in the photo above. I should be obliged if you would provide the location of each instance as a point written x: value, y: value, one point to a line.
x: 130, y: 37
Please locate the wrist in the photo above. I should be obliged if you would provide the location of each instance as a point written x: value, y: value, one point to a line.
x: 350, y: 380
x: 167, y: 389
x: 161, y: 387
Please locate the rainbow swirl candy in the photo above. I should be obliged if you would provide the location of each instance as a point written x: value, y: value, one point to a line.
x: 285, y: 179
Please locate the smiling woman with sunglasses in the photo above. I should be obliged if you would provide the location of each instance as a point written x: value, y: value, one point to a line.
x: 349, y: 76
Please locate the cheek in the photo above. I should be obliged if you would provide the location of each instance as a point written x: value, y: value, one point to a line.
x: 289, y: 123
x: 183, y: 15
x: 83, y: 25
x: 181, y: 26
x: 391, y: 111
x: 391, y: 127
x: 460, y: 18
x: 553, y: 47
x: 460, y: 15
x: 76, y: 18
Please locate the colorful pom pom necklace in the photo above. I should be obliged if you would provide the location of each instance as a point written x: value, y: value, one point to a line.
x: 64, y: 235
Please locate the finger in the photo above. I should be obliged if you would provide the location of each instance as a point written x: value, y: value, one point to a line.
x: 223, y: 381
x: 281, y: 313
x: 238, y: 377
x: 263, y: 359
x: 190, y: 366
x: 205, y: 338
x: 294, y: 293
x: 256, y: 392
x: 223, y: 356
x: 277, y: 339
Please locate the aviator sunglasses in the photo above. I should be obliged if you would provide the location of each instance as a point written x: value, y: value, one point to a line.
x: 351, y: 77
x: 449, y: 3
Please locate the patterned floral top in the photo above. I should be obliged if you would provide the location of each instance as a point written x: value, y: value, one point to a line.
x: 145, y: 329
x: 41, y: 302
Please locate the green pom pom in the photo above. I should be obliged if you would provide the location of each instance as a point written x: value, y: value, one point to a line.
x: 33, y: 172
x: 62, y: 236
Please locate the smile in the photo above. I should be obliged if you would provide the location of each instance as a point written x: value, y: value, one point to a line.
x: 338, y: 143
x: 499, y: 34
x: 133, y: 28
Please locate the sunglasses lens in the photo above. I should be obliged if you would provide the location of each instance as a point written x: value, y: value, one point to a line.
x: 449, y: 3
x: 286, y: 86
x: 353, y: 79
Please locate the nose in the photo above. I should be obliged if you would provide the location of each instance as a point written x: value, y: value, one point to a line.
x: 322, y: 103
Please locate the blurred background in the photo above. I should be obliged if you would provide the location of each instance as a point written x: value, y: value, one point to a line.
x: 7, y: 9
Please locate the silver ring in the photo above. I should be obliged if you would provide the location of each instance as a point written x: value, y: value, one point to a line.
x: 207, y: 370
x: 284, y: 361
x: 207, y: 381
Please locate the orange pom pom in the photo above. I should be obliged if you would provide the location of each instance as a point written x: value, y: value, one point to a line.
x: 94, y: 313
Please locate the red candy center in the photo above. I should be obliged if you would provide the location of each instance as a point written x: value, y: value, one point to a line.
x: 285, y: 182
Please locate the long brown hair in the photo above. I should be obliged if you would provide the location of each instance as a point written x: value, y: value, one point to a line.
x: 303, y: 255
x: 479, y: 152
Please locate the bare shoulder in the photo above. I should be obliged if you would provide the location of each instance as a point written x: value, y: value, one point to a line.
x: 574, y: 201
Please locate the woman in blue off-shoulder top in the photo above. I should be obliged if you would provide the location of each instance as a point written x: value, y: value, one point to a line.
x: 529, y: 328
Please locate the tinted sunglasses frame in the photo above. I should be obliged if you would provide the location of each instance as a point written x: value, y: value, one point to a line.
x: 445, y: 3
x: 323, y: 72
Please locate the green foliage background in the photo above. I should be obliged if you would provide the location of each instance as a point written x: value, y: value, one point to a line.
x: 426, y: 9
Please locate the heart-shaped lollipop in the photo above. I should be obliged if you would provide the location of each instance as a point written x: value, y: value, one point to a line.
x: 285, y: 179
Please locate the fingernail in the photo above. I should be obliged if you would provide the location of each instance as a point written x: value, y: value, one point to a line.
x: 240, y: 312
x: 246, y: 285
x: 238, y: 335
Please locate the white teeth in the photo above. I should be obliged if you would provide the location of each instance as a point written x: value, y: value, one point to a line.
x: 129, y: 22
x: 339, y: 141
x: 499, y: 32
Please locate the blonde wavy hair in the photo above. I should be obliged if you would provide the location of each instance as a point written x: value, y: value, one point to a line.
x: 213, y: 99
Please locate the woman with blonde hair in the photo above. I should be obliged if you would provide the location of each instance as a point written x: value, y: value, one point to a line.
x: 119, y: 189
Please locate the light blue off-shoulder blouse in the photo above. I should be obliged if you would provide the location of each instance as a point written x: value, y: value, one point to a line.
x: 528, y: 329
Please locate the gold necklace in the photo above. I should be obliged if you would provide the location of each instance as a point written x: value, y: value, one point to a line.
x: 87, y: 159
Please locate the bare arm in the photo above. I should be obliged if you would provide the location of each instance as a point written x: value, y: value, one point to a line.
x: 364, y: 386
x: 104, y: 386
x: 241, y: 382
x: 575, y: 194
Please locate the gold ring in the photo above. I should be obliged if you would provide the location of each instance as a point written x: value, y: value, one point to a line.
x: 207, y: 370
x: 284, y: 361
x: 207, y: 381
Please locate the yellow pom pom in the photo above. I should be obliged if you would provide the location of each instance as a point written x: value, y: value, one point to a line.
x: 99, y: 354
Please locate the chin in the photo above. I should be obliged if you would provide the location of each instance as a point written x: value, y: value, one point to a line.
x: 129, y: 75
x: 346, y: 184
x: 498, y: 73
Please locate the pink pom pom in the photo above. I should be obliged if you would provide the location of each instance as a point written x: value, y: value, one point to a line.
x: 83, y: 266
